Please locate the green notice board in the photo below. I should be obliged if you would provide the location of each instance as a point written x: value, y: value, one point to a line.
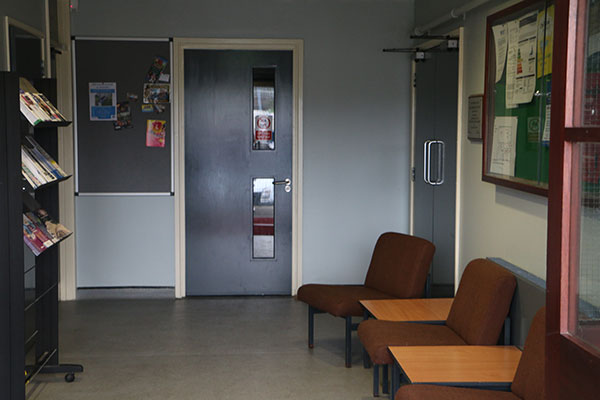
x: 519, y: 71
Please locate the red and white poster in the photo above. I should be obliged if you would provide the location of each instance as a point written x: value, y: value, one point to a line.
x: 263, y: 127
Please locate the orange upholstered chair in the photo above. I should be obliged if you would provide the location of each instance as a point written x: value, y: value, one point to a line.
x: 476, y: 317
x: 398, y: 269
x: 528, y: 383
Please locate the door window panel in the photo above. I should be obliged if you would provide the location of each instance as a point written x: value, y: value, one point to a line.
x: 585, y: 322
x: 263, y: 109
x: 591, y: 92
x: 263, y: 218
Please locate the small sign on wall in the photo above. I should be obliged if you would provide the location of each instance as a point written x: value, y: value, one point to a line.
x: 474, y: 126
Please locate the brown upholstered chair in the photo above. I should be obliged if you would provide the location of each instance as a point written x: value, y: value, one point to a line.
x: 398, y: 269
x: 476, y: 317
x: 528, y: 383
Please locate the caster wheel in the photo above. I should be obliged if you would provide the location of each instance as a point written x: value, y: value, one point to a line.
x: 69, y: 378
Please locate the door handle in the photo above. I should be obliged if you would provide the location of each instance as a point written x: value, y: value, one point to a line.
x: 426, y: 154
x: 287, y: 182
x: 441, y: 162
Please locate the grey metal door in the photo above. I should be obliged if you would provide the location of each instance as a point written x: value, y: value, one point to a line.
x: 238, y: 166
x: 435, y: 162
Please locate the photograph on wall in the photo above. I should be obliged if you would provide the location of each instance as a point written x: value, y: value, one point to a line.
x: 158, y: 66
x: 103, y: 101
x: 156, y: 131
x: 156, y: 93
x: 123, y: 116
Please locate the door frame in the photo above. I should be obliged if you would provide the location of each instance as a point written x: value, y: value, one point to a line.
x: 296, y: 46
x: 459, y: 142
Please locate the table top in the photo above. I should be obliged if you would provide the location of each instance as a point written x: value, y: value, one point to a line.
x: 454, y: 364
x: 409, y: 309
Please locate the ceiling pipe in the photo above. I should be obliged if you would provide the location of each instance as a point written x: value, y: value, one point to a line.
x: 454, y: 13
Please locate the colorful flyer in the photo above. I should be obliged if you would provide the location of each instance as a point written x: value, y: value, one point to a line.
x: 156, y: 93
x: 103, y: 101
x: 155, y: 133
x: 545, y: 41
x: 156, y: 69
x: 123, y: 116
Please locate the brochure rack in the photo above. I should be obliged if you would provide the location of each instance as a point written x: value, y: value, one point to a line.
x: 28, y: 293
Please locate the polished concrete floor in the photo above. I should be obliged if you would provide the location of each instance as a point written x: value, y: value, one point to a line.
x: 202, y: 348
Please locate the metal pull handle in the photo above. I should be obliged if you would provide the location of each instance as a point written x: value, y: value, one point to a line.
x: 426, y: 155
x: 441, y: 162
x: 287, y: 182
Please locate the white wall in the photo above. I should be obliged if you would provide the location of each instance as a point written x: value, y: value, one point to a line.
x: 356, y: 106
x: 495, y: 221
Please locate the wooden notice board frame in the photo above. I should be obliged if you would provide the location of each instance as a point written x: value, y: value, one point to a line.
x: 519, y: 118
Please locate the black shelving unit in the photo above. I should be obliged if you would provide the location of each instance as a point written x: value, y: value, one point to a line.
x: 28, y: 293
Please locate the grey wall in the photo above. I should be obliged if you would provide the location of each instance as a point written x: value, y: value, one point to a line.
x: 428, y: 10
x: 356, y: 106
x: 30, y: 12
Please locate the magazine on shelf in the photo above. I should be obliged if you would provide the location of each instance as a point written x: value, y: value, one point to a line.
x: 34, y: 168
x: 37, y: 166
x: 43, y: 157
x: 34, y: 237
x: 53, y: 229
x: 40, y: 231
x: 35, y: 106
x: 30, y: 176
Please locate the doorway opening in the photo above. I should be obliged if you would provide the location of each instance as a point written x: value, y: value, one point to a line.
x: 435, y: 157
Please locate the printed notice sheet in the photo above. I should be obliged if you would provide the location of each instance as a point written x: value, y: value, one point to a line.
x: 511, y: 62
x: 526, y: 59
x: 546, y: 133
x: 475, y: 115
x: 103, y: 101
x: 545, y: 41
x: 501, y: 45
x: 504, y: 146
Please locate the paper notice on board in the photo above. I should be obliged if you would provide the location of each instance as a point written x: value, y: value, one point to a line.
x: 526, y: 59
x: 545, y: 41
x: 501, y: 45
x: 103, y: 101
x: 511, y: 62
x: 504, y: 146
x: 546, y: 134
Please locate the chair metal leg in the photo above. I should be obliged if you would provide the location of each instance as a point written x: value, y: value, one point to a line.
x: 365, y: 355
x: 366, y: 358
x: 348, y: 341
x: 375, y: 380
x: 385, y: 383
x: 395, y: 379
x: 311, y: 327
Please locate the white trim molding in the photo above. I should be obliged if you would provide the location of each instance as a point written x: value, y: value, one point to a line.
x: 182, y: 44
x: 460, y: 125
x: 66, y: 154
